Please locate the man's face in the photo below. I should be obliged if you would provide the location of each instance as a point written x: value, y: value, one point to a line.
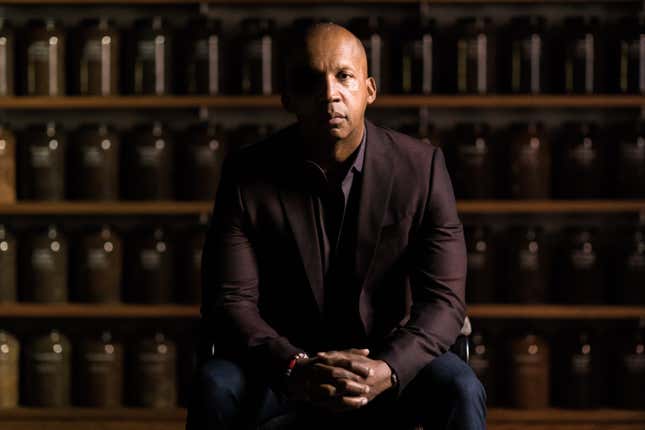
x: 329, y: 89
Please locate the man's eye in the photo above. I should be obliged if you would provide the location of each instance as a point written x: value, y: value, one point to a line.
x: 343, y: 75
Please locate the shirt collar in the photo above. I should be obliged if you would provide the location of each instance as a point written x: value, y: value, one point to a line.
x: 360, y: 156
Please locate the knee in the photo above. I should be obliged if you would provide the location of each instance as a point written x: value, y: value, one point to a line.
x: 222, y: 382
x: 468, y: 389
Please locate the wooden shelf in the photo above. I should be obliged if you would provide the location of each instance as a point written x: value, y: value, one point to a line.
x: 174, y: 419
x: 590, y: 418
x: 106, y: 208
x: 383, y: 101
x: 169, y: 208
x: 78, y: 310
x: 487, y: 311
x: 311, y: 2
x: 512, y: 311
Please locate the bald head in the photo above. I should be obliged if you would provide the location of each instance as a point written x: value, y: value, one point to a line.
x: 310, y: 43
x: 328, y: 86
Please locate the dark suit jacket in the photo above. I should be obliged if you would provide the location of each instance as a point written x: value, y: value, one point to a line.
x: 263, y: 281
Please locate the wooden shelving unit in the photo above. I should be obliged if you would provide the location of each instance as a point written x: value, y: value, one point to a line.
x: 172, y: 311
x: 162, y: 208
x: 382, y: 101
x: 313, y: 2
x: 140, y: 419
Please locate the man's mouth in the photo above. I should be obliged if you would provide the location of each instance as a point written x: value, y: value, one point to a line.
x: 335, y: 118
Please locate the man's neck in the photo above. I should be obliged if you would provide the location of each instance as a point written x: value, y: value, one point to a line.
x: 331, y: 155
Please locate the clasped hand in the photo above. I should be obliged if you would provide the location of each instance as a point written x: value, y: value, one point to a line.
x: 338, y: 381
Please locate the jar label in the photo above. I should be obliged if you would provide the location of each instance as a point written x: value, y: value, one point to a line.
x: 197, y: 258
x: 43, y: 259
x: 476, y: 260
x: 635, y: 363
x: 92, y: 156
x: 636, y: 262
x: 581, y: 364
x: 150, y: 259
x: 4, y: 78
x: 528, y: 260
x: 97, y: 259
x: 40, y: 156
x: 92, y: 50
x: 582, y: 260
x: 38, y: 52
x: 149, y: 156
x: 583, y: 154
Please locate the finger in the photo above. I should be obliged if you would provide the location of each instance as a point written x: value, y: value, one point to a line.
x: 322, y: 392
x: 350, y: 364
x: 364, y: 352
x: 347, y: 387
x: 353, y: 402
x: 328, y: 373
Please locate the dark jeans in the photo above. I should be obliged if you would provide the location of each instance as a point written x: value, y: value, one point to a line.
x: 446, y: 394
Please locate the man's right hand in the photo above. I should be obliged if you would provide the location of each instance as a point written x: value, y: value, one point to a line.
x: 335, y: 389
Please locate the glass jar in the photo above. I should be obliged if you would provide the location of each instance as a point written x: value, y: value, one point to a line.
x: 530, y: 372
x: 631, y: 268
x: 525, y: 60
x: 581, y: 267
x: 475, y: 56
x: 529, y: 268
x: 631, y: 371
x: 190, y: 263
x: 8, y: 266
x: 100, y: 266
x: 150, y: 272
x: 418, y: 57
x: 629, y: 59
x: 45, y: 266
x: 152, y: 65
x: 48, y: 370
x: 581, y: 169
x: 98, y: 58
x: 43, y: 163
x: 204, y: 52
x: 45, y: 71
x: 9, y: 370
x: 258, y: 60
x: 149, y: 160
x: 480, y: 280
x: 630, y: 165
x: 371, y: 32
x: 7, y: 165
x: 202, y: 157
x: 530, y: 162
x: 482, y: 361
x: 7, y: 58
x: 474, y: 172
x: 101, y: 371
x: 156, y: 372
x: 579, y: 369
x: 581, y: 66
x: 94, y: 159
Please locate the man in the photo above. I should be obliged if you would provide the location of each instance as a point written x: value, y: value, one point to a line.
x: 334, y: 268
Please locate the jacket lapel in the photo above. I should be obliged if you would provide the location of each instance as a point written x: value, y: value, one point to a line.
x: 299, y: 210
x: 374, y: 198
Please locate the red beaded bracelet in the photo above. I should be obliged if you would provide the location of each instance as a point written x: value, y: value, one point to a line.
x: 294, y: 360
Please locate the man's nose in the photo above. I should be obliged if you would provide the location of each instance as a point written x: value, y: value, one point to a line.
x: 330, y: 88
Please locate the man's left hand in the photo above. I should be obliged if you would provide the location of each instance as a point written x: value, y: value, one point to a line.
x: 380, y: 378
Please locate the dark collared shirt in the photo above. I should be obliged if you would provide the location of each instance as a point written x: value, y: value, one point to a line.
x: 336, y: 205
x: 331, y: 200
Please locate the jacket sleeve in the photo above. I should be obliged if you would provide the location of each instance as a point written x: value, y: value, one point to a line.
x: 437, y: 272
x: 230, y: 287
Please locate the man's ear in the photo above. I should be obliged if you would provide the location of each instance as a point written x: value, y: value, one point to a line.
x: 286, y: 102
x: 370, y: 83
